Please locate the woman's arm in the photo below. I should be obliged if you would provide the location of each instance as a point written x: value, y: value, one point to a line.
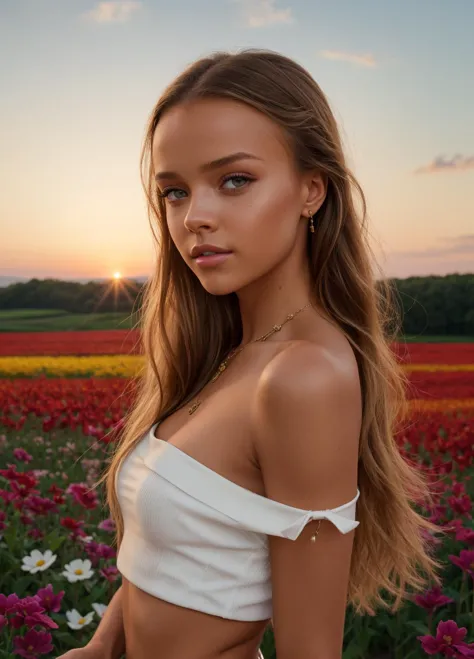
x: 110, y: 636
x: 108, y: 641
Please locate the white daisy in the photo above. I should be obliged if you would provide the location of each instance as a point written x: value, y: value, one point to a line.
x: 37, y: 561
x: 100, y: 609
x: 78, y: 570
x: 76, y: 621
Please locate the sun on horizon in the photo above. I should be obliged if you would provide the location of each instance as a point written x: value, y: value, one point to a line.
x: 117, y: 275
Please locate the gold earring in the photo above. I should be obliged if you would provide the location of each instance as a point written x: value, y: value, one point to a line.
x: 311, y: 225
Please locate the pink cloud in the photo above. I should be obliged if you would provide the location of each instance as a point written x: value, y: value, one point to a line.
x: 366, y: 60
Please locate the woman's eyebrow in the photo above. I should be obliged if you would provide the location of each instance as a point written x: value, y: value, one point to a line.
x: 214, y: 164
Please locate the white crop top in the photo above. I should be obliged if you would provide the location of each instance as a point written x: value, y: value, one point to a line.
x: 196, y: 539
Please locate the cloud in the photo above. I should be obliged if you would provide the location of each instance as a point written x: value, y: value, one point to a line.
x: 366, y: 60
x: 113, y: 12
x: 457, y: 163
x: 455, y: 254
x: 454, y: 246
x: 261, y: 13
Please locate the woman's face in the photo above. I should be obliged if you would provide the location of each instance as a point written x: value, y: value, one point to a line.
x: 249, y: 204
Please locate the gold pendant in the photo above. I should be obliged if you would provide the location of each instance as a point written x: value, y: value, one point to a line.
x: 194, y: 407
x: 222, y: 368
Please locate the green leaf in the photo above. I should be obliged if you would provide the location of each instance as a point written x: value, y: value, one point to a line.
x: 22, y: 584
x: 54, y: 540
x: 11, y: 534
x: 418, y: 626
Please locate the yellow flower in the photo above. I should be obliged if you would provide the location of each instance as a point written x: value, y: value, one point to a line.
x: 80, y: 366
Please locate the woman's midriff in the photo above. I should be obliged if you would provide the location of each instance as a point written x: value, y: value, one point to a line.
x: 155, y: 629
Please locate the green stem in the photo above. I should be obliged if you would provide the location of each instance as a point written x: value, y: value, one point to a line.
x: 461, y: 595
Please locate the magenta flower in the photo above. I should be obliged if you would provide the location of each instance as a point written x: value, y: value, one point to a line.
x: 3, y: 621
x: 29, y: 611
x: 111, y: 573
x: 37, y: 534
x: 50, y: 601
x: 21, y: 455
x: 40, y: 505
x: 432, y: 599
x: 107, y: 525
x: 106, y: 551
x: 8, y: 602
x: 32, y: 644
x: 449, y: 640
x: 461, y: 505
x: 465, y: 535
x: 465, y: 561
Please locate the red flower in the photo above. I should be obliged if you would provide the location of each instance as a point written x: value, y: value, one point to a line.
x: 40, y: 505
x: 83, y: 495
x: 32, y: 644
x: 71, y: 523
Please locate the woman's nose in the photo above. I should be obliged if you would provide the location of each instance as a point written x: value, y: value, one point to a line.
x: 200, y: 217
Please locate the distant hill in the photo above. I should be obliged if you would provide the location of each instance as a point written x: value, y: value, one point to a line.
x: 434, y: 305
x: 6, y: 280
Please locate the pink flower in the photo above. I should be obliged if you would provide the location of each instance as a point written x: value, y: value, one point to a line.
x: 50, y: 601
x: 32, y: 644
x: 465, y: 561
x: 432, y: 599
x: 449, y: 640
x: 21, y: 455
x: 107, y: 525
x: 111, y: 573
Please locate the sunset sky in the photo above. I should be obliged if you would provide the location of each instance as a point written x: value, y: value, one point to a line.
x: 79, y: 79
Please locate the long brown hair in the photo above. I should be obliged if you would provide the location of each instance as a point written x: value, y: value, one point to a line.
x: 186, y: 331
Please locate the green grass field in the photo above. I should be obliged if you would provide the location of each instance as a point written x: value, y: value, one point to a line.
x: 51, y: 320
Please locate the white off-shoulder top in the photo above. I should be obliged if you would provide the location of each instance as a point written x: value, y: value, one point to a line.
x: 196, y: 539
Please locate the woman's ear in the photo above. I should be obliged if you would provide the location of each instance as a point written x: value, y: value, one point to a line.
x: 315, y: 192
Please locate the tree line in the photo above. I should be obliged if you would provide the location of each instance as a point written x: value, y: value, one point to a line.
x: 434, y: 305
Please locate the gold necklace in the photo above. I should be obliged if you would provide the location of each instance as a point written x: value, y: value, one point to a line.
x: 235, y: 352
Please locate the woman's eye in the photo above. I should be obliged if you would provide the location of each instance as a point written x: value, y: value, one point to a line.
x: 166, y: 194
x: 238, y: 179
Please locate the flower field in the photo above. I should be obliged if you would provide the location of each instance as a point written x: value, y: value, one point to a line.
x: 62, y: 399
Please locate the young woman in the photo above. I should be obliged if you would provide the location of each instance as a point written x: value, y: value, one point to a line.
x: 257, y: 480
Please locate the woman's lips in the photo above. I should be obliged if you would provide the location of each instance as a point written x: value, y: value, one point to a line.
x: 213, y: 259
